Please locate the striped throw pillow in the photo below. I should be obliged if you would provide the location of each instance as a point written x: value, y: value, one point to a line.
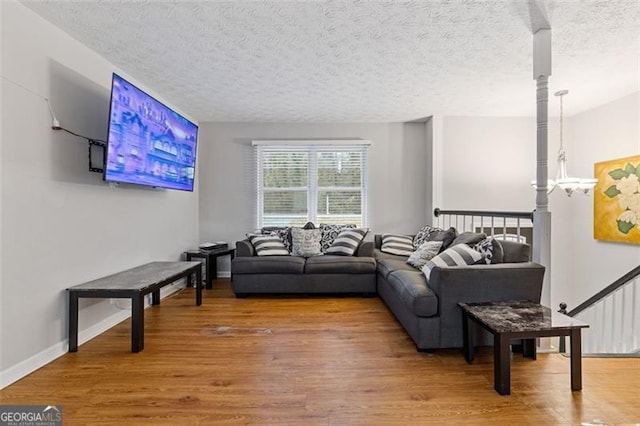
x: 268, y: 245
x: 458, y: 255
x: 401, y: 245
x: 347, y: 242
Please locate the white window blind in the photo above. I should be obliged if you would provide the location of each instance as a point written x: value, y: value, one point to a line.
x: 321, y: 183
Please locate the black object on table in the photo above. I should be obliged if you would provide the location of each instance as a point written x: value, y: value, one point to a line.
x: 520, y: 320
x: 134, y: 284
x: 211, y: 262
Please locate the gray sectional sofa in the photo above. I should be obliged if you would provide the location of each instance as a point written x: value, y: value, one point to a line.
x: 329, y: 274
x: 429, y: 312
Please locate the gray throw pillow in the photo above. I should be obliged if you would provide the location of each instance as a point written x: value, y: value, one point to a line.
x: 469, y: 238
x: 305, y: 242
x: 427, y: 251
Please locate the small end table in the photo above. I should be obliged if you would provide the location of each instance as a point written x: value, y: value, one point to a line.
x: 211, y: 261
x: 520, y: 320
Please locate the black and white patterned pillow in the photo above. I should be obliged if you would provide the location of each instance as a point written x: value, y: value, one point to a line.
x: 427, y: 251
x: 330, y: 233
x: 491, y: 249
x: 267, y: 245
x: 423, y: 235
x: 458, y: 255
x: 285, y: 235
x: 347, y: 242
x: 401, y: 245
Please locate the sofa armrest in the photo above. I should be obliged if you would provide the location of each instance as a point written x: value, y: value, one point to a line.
x: 365, y: 249
x: 482, y: 283
x: 244, y: 248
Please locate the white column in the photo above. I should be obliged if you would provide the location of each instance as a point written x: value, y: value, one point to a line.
x: 542, y: 215
x: 437, y: 172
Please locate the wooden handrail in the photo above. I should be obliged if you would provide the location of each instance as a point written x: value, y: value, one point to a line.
x: 603, y: 293
x: 516, y: 215
x: 596, y: 298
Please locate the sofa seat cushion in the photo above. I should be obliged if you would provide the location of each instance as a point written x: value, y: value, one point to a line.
x: 335, y: 264
x: 414, y: 293
x: 268, y: 265
x: 387, y: 266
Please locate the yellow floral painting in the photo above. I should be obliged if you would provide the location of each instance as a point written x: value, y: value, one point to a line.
x: 616, y: 201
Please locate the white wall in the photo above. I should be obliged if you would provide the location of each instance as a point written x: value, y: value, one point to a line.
x: 397, y: 178
x: 488, y: 163
x: 61, y: 225
x: 582, y: 265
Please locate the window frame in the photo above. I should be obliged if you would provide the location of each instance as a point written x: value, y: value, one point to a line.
x: 312, y: 189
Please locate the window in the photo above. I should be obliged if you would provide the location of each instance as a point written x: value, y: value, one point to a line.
x: 317, y: 181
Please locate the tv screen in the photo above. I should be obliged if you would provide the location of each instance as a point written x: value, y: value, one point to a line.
x: 148, y: 143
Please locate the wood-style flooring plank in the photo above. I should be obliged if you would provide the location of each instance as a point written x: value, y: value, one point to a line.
x: 310, y: 361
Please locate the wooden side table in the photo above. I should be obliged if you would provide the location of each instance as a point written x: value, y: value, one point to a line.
x: 211, y: 261
x: 520, y: 320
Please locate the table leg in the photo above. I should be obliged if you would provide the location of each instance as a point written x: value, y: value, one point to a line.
x: 467, y: 338
x: 73, y: 321
x: 212, y: 270
x: 189, y: 258
x: 155, y: 297
x: 137, y: 322
x: 501, y: 364
x: 198, y: 285
x: 233, y: 256
x: 529, y: 348
x: 576, y: 359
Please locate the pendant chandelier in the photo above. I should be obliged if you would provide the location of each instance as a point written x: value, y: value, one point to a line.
x: 563, y: 180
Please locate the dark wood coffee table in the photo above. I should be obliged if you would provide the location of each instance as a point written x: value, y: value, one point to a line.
x: 520, y: 320
x: 134, y: 284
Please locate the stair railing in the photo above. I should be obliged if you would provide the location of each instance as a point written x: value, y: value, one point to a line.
x: 630, y: 277
x: 505, y: 225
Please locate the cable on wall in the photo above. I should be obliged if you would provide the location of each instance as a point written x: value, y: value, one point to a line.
x: 55, y: 125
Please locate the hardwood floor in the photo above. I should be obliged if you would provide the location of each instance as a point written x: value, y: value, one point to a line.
x: 310, y: 361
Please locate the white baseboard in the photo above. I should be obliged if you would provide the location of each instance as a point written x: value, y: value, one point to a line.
x: 31, y: 364
x: 224, y: 274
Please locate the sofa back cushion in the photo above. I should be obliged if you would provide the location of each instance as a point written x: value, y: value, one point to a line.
x: 514, y: 252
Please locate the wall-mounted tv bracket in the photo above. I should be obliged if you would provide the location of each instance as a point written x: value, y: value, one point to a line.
x: 55, y: 125
x: 92, y: 143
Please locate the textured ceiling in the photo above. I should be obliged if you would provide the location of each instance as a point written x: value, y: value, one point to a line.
x: 352, y: 61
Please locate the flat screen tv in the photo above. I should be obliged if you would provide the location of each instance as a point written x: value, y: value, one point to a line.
x: 148, y: 143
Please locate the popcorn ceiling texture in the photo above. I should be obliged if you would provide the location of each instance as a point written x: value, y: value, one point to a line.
x: 367, y: 61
